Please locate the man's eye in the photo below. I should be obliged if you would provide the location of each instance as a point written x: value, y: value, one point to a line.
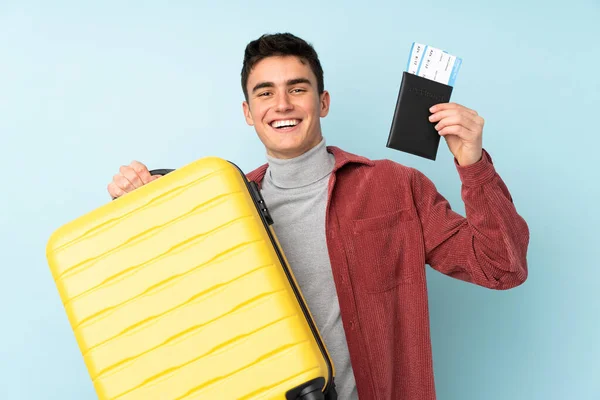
x: 263, y: 94
x: 298, y: 90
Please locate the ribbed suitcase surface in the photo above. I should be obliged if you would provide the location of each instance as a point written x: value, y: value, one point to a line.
x: 176, y: 290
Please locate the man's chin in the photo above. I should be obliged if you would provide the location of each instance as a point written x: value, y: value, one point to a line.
x: 287, y: 151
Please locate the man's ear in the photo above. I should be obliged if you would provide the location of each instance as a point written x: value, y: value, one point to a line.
x: 324, y: 103
x: 247, y: 113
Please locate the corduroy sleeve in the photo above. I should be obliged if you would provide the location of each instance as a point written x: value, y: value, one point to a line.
x: 488, y: 247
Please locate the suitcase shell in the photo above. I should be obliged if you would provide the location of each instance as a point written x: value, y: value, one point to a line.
x: 180, y: 289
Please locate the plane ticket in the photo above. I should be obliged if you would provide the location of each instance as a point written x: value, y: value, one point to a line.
x: 433, y: 63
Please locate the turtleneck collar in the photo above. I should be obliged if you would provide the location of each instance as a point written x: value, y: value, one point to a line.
x: 300, y: 171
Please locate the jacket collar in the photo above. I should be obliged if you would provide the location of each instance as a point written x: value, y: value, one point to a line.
x: 341, y: 159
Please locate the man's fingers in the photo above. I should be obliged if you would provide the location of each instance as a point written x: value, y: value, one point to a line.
x: 129, y: 178
x: 114, y: 190
x: 123, y: 183
x: 451, y: 130
x: 456, y: 130
x: 451, y: 106
x: 142, y: 171
x: 439, y: 115
x: 457, y: 119
x: 448, y: 127
x: 131, y: 175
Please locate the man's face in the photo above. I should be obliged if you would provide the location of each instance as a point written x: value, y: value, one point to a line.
x: 284, y: 106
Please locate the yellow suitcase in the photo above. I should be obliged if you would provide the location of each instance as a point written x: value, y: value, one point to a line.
x: 180, y: 290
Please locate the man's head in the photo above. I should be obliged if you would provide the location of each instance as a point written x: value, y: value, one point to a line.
x: 282, y: 80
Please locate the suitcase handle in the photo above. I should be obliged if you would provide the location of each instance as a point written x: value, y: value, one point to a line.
x: 160, y: 171
x: 163, y: 171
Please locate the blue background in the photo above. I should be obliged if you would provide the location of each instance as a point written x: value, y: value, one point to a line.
x: 86, y: 88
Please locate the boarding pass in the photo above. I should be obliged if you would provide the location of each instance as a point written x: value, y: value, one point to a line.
x: 432, y: 63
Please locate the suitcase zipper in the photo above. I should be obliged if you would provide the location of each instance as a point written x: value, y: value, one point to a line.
x: 268, y: 220
x: 260, y: 202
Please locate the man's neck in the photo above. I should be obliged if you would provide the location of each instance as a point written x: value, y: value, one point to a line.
x: 303, y: 170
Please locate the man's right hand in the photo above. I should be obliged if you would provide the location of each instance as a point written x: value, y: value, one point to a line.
x: 129, y: 178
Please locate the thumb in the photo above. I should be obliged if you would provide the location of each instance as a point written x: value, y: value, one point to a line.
x: 154, y: 177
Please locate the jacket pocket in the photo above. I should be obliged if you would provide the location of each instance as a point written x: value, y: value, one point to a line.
x: 386, y: 250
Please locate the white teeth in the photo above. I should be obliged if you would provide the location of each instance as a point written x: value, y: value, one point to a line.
x: 288, y: 122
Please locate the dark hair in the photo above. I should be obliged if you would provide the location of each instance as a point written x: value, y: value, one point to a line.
x: 280, y: 44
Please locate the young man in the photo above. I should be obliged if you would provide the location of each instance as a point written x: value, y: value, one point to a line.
x: 358, y: 232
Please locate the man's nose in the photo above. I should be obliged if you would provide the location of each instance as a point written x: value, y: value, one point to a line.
x: 284, y: 103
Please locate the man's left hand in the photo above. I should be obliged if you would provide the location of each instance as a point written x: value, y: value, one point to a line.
x: 462, y: 128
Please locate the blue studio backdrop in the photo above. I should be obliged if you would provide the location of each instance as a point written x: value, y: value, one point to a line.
x: 85, y: 88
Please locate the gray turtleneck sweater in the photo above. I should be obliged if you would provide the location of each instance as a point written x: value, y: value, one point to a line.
x: 295, y: 191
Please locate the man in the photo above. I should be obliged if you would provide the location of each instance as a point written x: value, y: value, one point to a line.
x: 358, y: 232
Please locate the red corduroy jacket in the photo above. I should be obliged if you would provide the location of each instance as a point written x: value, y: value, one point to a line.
x: 384, y: 223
